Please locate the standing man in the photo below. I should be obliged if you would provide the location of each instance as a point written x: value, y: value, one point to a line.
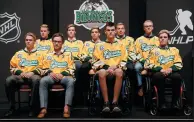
x: 143, y: 45
x: 24, y: 69
x: 59, y: 68
x: 113, y: 56
x: 44, y: 44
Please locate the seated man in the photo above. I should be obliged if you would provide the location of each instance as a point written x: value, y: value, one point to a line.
x: 113, y: 56
x: 165, y: 62
x: 86, y: 57
x: 23, y: 69
x: 59, y: 66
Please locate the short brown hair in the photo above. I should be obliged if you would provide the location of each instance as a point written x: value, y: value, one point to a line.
x: 70, y: 25
x: 58, y: 35
x: 164, y: 31
x: 120, y: 23
x: 95, y: 27
x: 44, y: 26
x: 30, y: 34
x: 111, y: 24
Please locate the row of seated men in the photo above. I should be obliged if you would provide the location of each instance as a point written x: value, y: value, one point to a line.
x: 45, y: 62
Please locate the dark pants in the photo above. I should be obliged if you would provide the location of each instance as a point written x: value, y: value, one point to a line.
x: 159, y: 82
x: 12, y: 84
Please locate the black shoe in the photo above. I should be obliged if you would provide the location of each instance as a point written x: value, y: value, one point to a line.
x: 31, y: 114
x: 116, y: 107
x: 162, y: 107
x: 106, y: 108
x: 10, y: 112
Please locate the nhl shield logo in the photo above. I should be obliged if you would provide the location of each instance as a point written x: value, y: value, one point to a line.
x: 9, y: 27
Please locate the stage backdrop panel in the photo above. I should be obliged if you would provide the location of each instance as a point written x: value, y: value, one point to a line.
x: 177, y: 17
x: 17, y: 17
x: 88, y: 13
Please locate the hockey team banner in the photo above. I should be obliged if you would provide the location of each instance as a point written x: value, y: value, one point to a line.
x: 177, y: 17
x: 17, y: 17
x: 88, y: 13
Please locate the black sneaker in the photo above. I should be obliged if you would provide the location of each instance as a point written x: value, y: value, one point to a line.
x: 106, y: 108
x: 10, y: 112
x: 116, y: 107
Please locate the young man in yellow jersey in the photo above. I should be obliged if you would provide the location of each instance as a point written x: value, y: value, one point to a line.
x: 143, y: 45
x: 113, y: 56
x: 23, y: 67
x: 87, y: 54
x: 44, y: 44
x: 74, y: 46
x: 59, y: 68
x: 165, y: 62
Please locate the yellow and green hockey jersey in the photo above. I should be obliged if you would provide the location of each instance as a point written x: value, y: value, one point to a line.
x: 25, y: 61
x: 143, y: 46
x: 44, y: 46
x: 62, y: 63
x: 111, y: 54
x: 129, y: 44
x: 75, y: 47
x: 88, y: 49
x: 164, y: 58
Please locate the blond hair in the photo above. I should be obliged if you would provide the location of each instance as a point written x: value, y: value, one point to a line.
x: 30, y: 34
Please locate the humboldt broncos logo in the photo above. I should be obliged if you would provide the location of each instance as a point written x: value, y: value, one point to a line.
x: 93, y: 13
x: 164, y: 60
x: 111, y: 54
x: 9, y: 28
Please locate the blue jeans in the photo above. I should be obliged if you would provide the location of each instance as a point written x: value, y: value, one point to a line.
x: 138, y: 68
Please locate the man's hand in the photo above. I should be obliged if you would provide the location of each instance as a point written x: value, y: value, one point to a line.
x: 113, y: 67
x: 169, y: 70
x: 29, y: 74
x: 59, y: 76
x: 54, y: 76
x: 23, y: 75
x: 110, y: 71
x: 163, y: 72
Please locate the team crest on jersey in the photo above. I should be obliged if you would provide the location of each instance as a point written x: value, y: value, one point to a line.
x: 9, y: 28
x: 56, y: 64
x: 163, y: 60
x: 145, y: 47
x: 111, y: 54
x: 24, y: 62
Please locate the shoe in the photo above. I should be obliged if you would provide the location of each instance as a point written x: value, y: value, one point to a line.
x: 10, y: 112
x: 162, y: 107
x: 42, y: 113
x: 66, y: 114
x: 106, y: 108
x: 116, y: 107
x: 31, y: 114
x: 140, y: 92
x: 175, y: 106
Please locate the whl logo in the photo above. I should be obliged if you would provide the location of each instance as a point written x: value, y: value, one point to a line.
x: 184, y: 25
x: 9, y: 27
x: 93, y: 13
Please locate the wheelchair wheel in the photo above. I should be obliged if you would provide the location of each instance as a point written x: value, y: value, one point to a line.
x: 154, y: 102
x: 187, y: 110
x: 127, y: 98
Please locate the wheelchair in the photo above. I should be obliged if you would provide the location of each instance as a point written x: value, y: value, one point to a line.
x: 151, y: 101
x: 95, y: 98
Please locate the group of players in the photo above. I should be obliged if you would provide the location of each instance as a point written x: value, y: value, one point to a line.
x: 44, y: 62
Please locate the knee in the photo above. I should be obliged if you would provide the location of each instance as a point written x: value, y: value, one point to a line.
x: 78, y: 65
x: 176, y: 76
x: 43, y: 81
x: 138, y: 66
x: 102, y: 73
x: 9, y: 80
x: 35, y: 79
x: 119, y: 73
